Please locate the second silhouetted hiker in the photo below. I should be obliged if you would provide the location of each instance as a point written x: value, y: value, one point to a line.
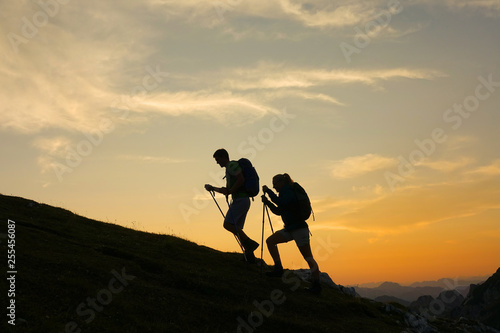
x: 293, y: 212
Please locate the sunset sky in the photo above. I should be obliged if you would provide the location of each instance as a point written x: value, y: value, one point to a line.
x: 386, y: 112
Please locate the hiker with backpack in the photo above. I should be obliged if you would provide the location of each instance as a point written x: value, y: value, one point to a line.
x: 239, y: 185
x: 294, y: 207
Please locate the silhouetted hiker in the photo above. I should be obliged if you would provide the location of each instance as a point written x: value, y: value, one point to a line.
x: 295, y: 227
x: 234, y: 220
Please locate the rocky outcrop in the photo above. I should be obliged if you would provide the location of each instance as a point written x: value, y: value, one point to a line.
x: 305, y: 275
x: 483, y: 302
x: 447, y: 304
x: 450, y: 302
x: 421, y: 305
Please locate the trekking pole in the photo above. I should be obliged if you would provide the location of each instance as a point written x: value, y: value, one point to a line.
x: 262, y: 240
x: 213, y: 197
x: 269, y: 217
x: 224, y: 216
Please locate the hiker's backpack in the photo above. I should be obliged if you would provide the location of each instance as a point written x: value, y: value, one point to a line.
x: 304, y: 202
x: 251, y: 177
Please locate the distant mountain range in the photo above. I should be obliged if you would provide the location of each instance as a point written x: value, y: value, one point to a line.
x: 410, y: 293
x: 444, y: 282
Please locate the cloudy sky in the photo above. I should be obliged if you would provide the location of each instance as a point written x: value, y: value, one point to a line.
x: 385, y: 111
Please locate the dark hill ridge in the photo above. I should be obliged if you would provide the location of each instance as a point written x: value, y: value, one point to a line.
x: 79, y: 275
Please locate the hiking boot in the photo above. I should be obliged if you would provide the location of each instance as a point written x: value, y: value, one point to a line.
x: 250, y: 246
x: 250, y: 257
x: 315, y: 288
x: 276, y: 272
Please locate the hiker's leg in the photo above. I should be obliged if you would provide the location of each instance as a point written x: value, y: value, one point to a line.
x: 272, y: 241
x: 235, y: 221
x: 236, y: 215
x: 303, y: 241
x: 236, y: 231
x: 306, y: 252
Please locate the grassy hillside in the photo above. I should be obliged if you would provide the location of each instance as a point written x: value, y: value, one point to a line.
x: 79, y: 275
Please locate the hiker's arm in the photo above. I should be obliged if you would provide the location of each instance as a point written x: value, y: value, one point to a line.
x: 222, y: 190
x: 286, y: 198
x: 275, y: 209
x: 240, y: 180
x: 278, y: 200
x: 270, y: 193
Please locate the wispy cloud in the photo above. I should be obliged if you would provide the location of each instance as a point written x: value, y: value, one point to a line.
x: 278, y: 76
x: 74, y: 72
x: 484, y: 4
x: 416, y: 207
x: 468, y: 191
x: 241, y: 94
x: 326, y: 14
x: 301, y: 94
x: 459, y: 142
x: 318, y: 14
x: 448, y: 165
x: 223, y: 106
x: 151, y: 159
x: 487, y: 170
x: 53, y: 146
x: 52, y: 150
x: 356, y: 166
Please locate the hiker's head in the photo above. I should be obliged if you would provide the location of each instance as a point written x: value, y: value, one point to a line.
x: 281, y: 180
x: 221, y: 157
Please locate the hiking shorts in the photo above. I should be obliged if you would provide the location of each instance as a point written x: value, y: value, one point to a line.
x: 237, y: 212
x: 300, y: 236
